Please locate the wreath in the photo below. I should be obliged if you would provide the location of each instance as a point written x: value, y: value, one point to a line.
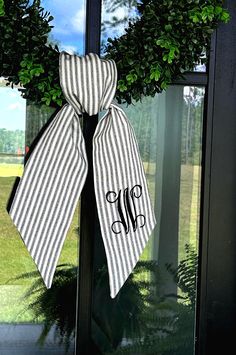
x: 166, y: 39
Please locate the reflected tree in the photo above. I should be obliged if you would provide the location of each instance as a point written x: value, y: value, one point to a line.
x: 192, y: 125
x: 12, y: 142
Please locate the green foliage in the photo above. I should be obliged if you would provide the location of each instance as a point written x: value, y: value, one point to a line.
x: 121, y: 316
x: 26, y: 57
x: 111, y: 317
x: 208, y: 13
x: 168, y: 38
x: 170, y: 331
x: 152, y: 324
x: 11, y: 142
x: 169, y: 325
x: 29, y: 70
x: 56, y: 305
x: 2, y: 8
x: 185, y: 275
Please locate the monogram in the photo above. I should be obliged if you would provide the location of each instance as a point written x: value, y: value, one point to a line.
x: 125, y: 201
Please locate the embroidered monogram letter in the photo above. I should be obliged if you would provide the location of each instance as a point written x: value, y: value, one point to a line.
x: 125, y: 201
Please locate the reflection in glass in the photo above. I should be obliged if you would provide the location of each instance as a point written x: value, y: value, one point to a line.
x: 116, y: 15
x: 34, y: 320
x: 154, y: 313
x: 20, y: 325
x: 12, y: 129
x: 115, y: 18
x: 68, y: 24
x: 200, y: 68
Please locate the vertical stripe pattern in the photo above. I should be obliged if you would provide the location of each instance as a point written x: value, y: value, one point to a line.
x: 56, y: 170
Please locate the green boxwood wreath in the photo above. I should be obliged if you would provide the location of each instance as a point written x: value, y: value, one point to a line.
x: 166, y: 39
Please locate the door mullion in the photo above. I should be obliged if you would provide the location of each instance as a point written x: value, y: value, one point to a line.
x: 83, y: 343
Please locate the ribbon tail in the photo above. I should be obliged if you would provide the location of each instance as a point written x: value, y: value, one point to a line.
x: 48, y: 192
x: 124, y: 206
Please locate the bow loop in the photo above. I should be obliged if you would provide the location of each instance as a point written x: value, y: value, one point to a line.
x: 93, y: 86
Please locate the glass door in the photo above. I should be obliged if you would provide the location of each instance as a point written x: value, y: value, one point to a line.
x: 155, y: 311
x: 33, y: 319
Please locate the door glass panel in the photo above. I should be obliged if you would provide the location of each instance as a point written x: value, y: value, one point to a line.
x: 48, y: 326
x: 154, y: 312
x: 115, y: 18
x: 68, y: 24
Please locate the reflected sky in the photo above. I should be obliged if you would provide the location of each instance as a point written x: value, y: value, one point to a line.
x: 13, y: 106
x: 68, y: 33
x: 69, y: 24
x: 118, y: 19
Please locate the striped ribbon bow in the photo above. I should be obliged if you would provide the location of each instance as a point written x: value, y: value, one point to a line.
x: 54, y: 175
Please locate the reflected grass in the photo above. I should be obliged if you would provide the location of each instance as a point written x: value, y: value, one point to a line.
x: 11, y: 169
x: 15, y: 258
x: 189, y: 207
x: 13, y: 307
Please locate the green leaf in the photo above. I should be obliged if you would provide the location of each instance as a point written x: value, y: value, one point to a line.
x: 131, y: 78
x: 2, y: 8
x: 23, y: 63
x: 168, y: 27
x: 225, y: 16
x: 59, y: 102
x: 218, y: 10
x: 121, y: 86
x: 169, y: 33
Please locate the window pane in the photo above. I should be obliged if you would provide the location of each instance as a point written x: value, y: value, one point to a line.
x: 115, y: 19
x: 154, y: 312
x: 200, y: 68
x: 21, y: 327
x: 69, y: 24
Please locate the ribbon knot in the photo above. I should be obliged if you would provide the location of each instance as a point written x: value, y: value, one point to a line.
x: 92, y: 86
x: 55, y: 173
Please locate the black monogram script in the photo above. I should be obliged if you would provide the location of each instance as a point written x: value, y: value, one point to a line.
x: 125, y: 200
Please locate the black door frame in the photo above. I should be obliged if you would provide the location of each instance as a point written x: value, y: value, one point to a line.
x: 216, y: 306
x: 215, y: 321
x: 83, y: 341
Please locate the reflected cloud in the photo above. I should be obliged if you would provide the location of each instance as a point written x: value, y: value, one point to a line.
x: 115, y: 22
x: 16, y: 106
x: 69, y: 49
x: 13, y: 94
x: 61, y: 31
x: 78, y: 21
x: 68, y: 23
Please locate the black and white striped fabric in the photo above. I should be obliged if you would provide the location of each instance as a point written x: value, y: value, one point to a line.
x: 55, y: 173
